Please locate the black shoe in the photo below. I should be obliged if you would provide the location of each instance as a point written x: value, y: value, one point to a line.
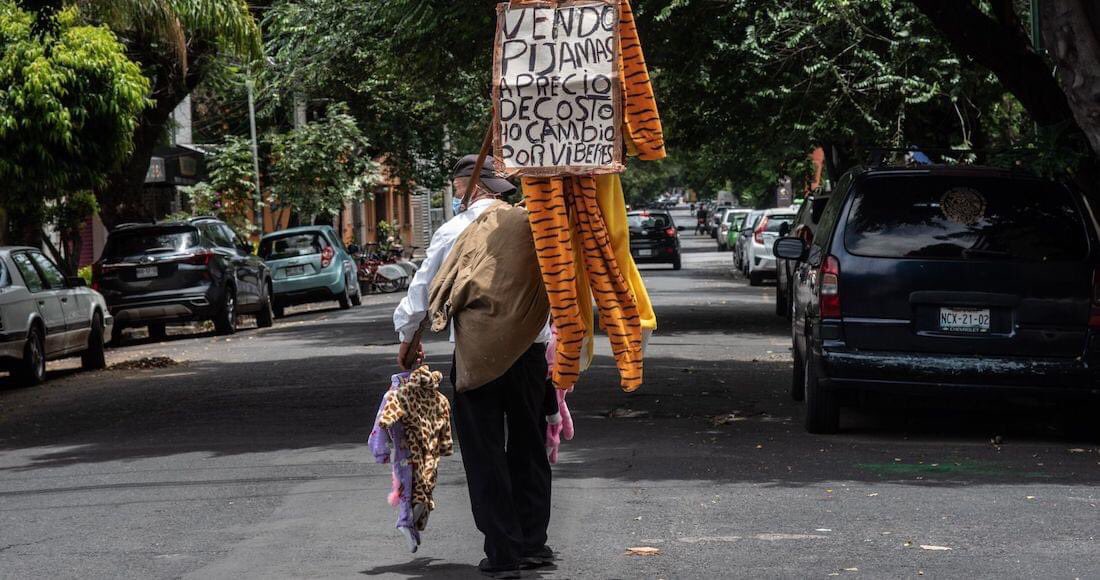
x: 501, y: 572
x: 543, y: 556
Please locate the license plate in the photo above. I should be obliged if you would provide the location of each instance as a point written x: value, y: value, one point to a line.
x: 148, y: 272
x: 645, y: 253
x: 295, y: 270
x: 974, y: 320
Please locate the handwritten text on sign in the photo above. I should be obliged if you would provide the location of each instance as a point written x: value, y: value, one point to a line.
x: 557, y: 89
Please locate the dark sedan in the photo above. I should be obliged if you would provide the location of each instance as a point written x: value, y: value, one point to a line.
x: 654, y: 238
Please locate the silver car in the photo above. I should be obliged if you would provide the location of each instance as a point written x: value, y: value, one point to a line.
x: 46, y: 316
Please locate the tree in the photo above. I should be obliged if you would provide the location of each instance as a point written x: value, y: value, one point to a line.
x: 319, y: 166
x: 178, y: 43
x: 230, y: 192
x: 415, y: 74
x: 69, y: 104
x: 993, y: 35
x: 1071, y: 29
x: 311, y: 170
x: 752, y: 86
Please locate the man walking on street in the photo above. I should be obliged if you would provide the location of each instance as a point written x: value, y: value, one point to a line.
x: 500, y: 424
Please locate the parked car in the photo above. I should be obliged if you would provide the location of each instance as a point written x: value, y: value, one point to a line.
x: 739, y: 248
x: 804, y: 226
x: 654, y: 238
x: 731, y: 222
x: 945, y: 280
x: 310, y: 264
x: 46, y: 316
x: 759, y: 261
x: 153, y: 274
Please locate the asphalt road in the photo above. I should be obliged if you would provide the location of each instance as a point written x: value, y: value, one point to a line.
x: 246, y: 458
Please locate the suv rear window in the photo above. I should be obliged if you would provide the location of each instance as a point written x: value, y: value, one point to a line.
x: 648, y: 221
x: 969, y: 218
x: 291, y: 246
x: 122, y: 244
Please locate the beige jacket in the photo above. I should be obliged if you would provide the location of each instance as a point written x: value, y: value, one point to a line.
x: 491, y: 287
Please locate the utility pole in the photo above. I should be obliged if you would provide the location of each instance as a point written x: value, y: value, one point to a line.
x: 259, y: 211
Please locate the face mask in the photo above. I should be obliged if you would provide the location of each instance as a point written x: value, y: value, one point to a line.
x: 456, y: 204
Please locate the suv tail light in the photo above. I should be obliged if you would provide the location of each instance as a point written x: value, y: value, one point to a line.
x: 1094, y: 307
x: 758, y: 234
x: 326, y: 257
x: 198, y: 258
x: 670, y: 232
x: 829, y: 288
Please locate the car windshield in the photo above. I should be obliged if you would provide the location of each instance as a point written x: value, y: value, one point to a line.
x: 971, y: 218
x: 291, y: 246
x: 648, y: 221
x: 122, y: 244
x: 736, y: 221
x: 732, y: 218
x: 776, y: 221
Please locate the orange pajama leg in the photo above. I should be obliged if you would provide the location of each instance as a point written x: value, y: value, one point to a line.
x: 549, y: 218
x: 616, y: 304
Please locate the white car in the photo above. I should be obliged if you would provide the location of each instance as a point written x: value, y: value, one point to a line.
x: 759, y: 261
x: 46, y: 316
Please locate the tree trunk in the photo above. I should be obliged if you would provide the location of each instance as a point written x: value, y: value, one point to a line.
x: 1005, y: 50
x: 1071, y: 33
x: 121, y: 198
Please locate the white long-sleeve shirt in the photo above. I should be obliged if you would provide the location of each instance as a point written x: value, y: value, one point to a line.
x: 414, y: 306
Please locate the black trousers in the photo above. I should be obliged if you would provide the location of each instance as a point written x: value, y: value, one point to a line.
x: 502, y: 435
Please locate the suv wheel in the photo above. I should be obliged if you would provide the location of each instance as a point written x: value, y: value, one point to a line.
x: 31, y: 369
x: 95, y: 358
x: 677, y: 263
x: 822, y: 407
x: 117, y: 334
x: 266, y: 316
x: 781, y: 308
x: 158, y: 330
x: 225, y: 320
x: 755, y: 279
x: 345, y: 296
x: 357, y: 295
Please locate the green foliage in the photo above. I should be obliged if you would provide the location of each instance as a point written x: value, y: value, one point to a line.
x: 319, y: 166
x: 69, y: 103
x: 416, y: 74
x: 86, y: 273
x: 313, y: 170
x: 388, y: 236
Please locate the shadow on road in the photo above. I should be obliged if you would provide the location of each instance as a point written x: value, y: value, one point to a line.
x: 328, y: 402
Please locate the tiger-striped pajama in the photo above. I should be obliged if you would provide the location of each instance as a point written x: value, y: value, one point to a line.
x: 575, y: 248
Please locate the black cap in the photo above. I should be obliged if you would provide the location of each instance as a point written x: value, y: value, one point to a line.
x: 465, y: 168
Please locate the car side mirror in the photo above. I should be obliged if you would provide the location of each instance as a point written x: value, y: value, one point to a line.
x: 680, y: 228
x: 790, y: 249
x: 354, y: 249
x: 76, y: 282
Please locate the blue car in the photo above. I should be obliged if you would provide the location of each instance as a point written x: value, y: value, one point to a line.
x: 309, y: 264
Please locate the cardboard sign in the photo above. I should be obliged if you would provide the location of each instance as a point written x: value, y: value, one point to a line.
x: 556, y: 88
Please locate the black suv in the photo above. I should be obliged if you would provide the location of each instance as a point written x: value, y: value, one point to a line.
x: 154, y: 274
x: 941, y: 280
